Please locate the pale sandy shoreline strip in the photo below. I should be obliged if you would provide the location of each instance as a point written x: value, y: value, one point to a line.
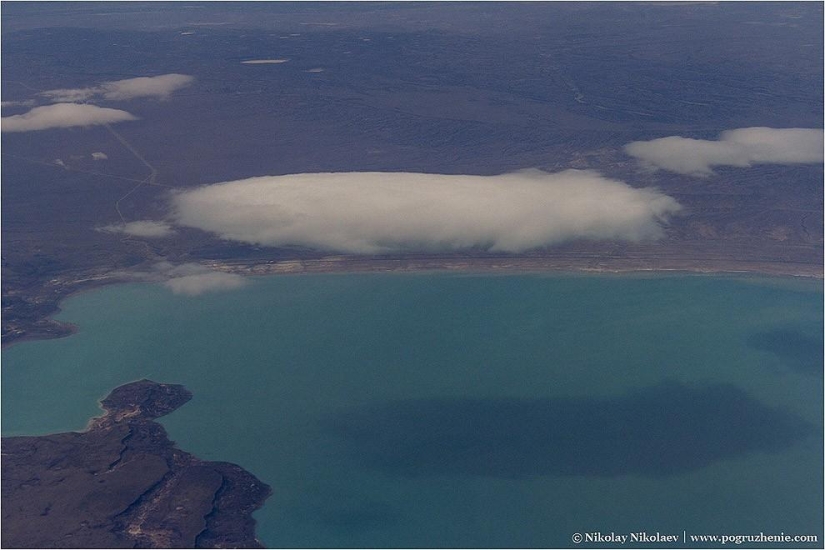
x: 589, y: 265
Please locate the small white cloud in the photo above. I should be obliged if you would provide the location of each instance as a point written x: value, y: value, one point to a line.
x: 146, y: 86
x: 190, y: 279
x: 743, y: 147
x: 373, y: 212
x: 264, y: 61
x: 143, y: 228
x: 63, y: 115
x: 193, y: 279
x: 99, y: 156
x: 215, y: 281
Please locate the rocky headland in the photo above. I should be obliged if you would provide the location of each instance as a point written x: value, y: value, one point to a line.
x: 121, y: 483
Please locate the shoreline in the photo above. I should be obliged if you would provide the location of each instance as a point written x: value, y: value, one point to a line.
x: 513, y: 265
x: 49, y: 328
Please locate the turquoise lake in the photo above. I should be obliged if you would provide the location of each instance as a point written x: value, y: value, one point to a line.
x: 467, y: 410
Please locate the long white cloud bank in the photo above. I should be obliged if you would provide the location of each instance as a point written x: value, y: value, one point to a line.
x: 743, y: 147
x: 374, y: 212
x: 161, y: 87
x: 63, y: 115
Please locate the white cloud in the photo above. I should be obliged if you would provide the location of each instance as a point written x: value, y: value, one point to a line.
x: 99, y: 156
x: 192, y: 285
x: 194, y: 279
x: 264, y: 61
x: 372, y: 212
x: 155, y: 86
x: 146, y: 86
x: 743, y: 147
x: 143, y: 228
x: 63, y: 115
x: 190, y: 279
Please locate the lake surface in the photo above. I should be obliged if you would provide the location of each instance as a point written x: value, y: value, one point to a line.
x: 468, y: 410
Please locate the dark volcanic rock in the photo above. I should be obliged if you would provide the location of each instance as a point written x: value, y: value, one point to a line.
x: 123, y: 484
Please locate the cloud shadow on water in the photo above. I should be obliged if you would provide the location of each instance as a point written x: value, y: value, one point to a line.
x: 663, y: 430
x: 797, y: 350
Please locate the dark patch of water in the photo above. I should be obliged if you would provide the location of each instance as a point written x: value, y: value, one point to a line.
x: 663, y: 430
x: 797, y: 350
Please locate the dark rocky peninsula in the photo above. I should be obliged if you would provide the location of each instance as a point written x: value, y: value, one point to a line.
x: 122, y: 483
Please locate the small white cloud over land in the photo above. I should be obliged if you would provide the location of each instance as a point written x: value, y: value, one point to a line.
x: 264, y: 61
x: 161, y: 87
x: 142, y: 228
x: 63, y: 115
x: 376, y: 212
x: 743, y: 147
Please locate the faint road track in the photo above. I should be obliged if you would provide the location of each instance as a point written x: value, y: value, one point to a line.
x: 153, y: 173
x: 151, y: 179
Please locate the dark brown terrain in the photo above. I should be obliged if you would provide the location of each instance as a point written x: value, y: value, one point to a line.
x: 122, y: 484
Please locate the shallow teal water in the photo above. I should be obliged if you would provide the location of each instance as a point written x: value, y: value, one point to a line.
x: 377, y: 406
